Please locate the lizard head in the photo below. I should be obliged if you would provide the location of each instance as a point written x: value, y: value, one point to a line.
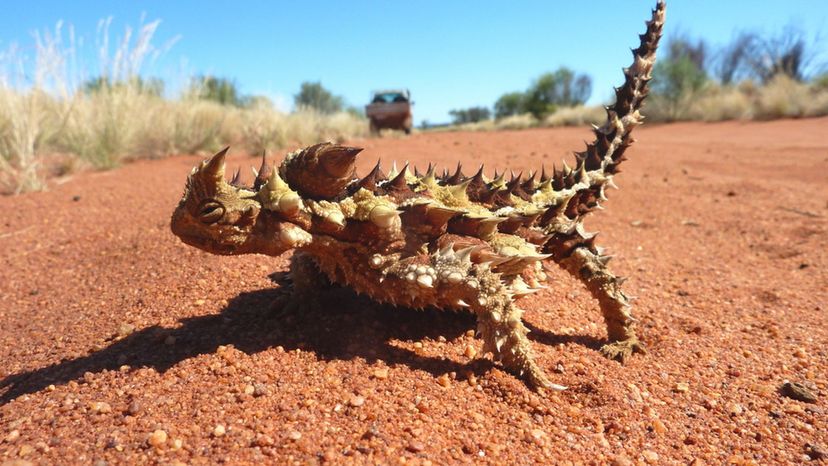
x: 229, y: 219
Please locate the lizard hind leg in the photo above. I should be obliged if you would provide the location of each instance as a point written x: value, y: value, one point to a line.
x: 591, y: 269
x: 477, y: 287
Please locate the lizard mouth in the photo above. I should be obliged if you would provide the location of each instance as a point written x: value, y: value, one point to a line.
x: 209, y: 246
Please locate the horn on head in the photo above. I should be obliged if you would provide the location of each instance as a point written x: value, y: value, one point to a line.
x: 213, y: 168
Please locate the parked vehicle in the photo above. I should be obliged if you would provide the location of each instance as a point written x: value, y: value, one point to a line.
x: 390, y: 109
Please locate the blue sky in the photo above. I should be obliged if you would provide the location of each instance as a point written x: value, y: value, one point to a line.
x: 450, y: 54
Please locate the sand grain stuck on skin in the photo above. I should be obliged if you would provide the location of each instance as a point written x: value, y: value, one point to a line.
x: 120, y: 344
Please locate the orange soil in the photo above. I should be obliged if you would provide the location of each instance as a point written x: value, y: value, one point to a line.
x: 111, y: 329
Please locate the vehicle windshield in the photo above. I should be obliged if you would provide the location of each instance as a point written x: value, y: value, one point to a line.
x: 389, y: 97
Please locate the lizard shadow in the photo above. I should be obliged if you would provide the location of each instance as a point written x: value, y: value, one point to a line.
x: 349, y: 327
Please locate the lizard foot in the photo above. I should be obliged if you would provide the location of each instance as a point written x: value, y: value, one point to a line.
x: 622, y: 350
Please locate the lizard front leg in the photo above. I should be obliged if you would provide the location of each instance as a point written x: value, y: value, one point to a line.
x: 452, y: 281
x: 307, y: 283
x: 500, y: 325
x: 591, y: 269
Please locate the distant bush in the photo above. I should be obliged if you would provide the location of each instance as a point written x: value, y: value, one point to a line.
x: 52, y: 123
x: 313, y: 95
x: 470, y: 115
x: 576, y: 116
x: 509, y: 104
x: 151, y: 86
x: 561, y: 88
x: 678, y: 78
x: 220, y: 90
x: 690, y: 84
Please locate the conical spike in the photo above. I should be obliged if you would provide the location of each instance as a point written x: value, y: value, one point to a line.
x: 464, y: 254
x: 459, y: 191
x: 399, y: 181
x: 337, y: 160
x: 263, y: 174
x: 514, y: 183
x: 383, y: 216
x: 478, y: 177
x: 543, y: 177
x: 428, y: 179
x: 235, y: 181
x: 458, y: 176
x: 529, y: 184
x: 213, y: 168
x: 370, y: 180
x: 438, y: 215
x: 488, y: 226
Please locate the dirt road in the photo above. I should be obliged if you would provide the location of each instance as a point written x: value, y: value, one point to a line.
x: 120, y: 344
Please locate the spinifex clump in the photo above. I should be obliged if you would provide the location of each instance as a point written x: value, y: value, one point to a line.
x: 422, y: 240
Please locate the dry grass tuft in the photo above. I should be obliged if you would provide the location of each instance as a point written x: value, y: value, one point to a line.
x: 576, y: 116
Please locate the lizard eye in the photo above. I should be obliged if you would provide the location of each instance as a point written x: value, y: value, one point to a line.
x: 210, y: 212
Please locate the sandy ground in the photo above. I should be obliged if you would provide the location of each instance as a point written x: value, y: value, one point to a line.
x: 119, y: 344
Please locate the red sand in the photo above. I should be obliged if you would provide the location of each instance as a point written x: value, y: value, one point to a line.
x: 111, y: 329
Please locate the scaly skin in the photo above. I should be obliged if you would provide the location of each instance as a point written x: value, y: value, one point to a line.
x: 452, y: 242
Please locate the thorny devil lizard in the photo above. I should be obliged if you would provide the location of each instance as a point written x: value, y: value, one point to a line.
x: 422, y: 240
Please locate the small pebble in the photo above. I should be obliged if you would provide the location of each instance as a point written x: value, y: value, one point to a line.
x: 734, y: 409
x: 415, y: 446
x: 381, y: 373
x: 100, y: 407
x: 650, y: 456
x: 125, y: 329
x: 157, y: 439
x: 134, y: 408
x: 537, y: 435
x: 25, y: 450
x: 816, y: 452
x: 470, y: 352
x: 356, y: 401
x: 659, y: 427
x: 263, y: 440
x: 798, y: 392
x: 249, y: 389
x: 219, y: 431
x: 682, y: 387
x: 13, y: 436
x: 294, y: 435
x: 443, y: 380
x: 259, y: 389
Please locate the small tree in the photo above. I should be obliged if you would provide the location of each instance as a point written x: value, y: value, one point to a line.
x: 151, y: 86
x: 563, y: 87
x: 314, y: 96
x: 221, y: 90
x: 787, y: 54
x: 679, y: 77
x: 470, y: 115
x: 509, y: 104
x: 731, y: 64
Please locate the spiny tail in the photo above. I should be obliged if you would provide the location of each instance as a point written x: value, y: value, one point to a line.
x: 599, y: 162
x: 597, y: 165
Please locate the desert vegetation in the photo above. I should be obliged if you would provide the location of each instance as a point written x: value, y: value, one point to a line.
x: 752, y: 77
x: 54, y: 121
